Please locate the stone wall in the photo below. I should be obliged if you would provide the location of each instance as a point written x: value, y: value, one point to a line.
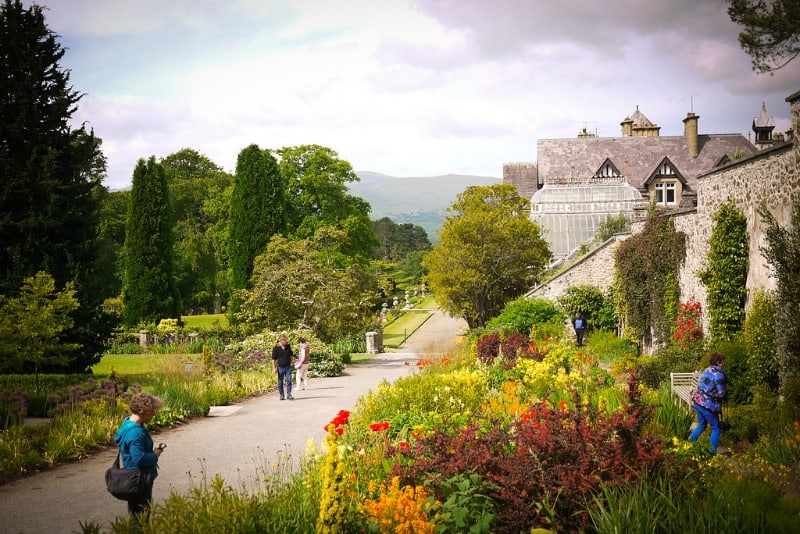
x: 595, y: 269
x: 523, y: 176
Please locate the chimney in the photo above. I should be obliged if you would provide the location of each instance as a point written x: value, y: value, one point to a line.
x: 627, y: 127
x: 690, y: 132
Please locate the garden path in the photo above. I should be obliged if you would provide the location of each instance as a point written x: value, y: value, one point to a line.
x: 233, y: 442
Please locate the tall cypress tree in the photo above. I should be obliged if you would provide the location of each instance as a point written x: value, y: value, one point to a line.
x: 150, y: 293
x: 257, y: 212
x: 49, y: 176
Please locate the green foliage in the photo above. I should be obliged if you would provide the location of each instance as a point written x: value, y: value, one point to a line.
x: 32, y: 326
x: 150, y: 293
x: 655, y: 369
x: 782, y: 251
x: 770, y: 34
x: 737, y: 370
x: 51, y: 187
x: 316, y: 181
x: 612, y: 226
x: 257, y: 212
x: 659, y: 504
x: 607, y: 347
x: 464, y: 505
x: 725, y: 272
x: 644, y: 263
x: 759, y: 339
x: 671, y: 416
x: 521, y: 314
x: 197, y: 187
x: 594, y: 306
x: 296, y: 284
x: 397, y: 241
x: 490, y: 252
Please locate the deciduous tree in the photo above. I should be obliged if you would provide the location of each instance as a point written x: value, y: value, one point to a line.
x: 296, y: 284
x: 32, y: 326
x: 316, y: 180
x: 490, y: 252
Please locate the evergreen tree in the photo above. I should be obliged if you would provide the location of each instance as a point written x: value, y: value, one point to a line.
x: 150, y: 293
x: 50, y: 176
x: 257, y: 212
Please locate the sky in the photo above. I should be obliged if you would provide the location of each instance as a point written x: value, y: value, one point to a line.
x: 405, y: 88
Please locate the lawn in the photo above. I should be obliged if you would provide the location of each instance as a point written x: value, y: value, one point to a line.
x: 133, y: 365
x: 396, y: 332
x: 195, y: 322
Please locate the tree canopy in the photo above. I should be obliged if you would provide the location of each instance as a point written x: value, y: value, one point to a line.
x: 771, y: 31
x: 316, y: 181
x: 296, y: 284
x: 490, y: 252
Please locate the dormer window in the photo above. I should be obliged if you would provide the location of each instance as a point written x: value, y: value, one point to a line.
x: 607, y: 170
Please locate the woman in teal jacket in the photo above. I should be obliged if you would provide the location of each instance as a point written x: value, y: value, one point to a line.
x: 136, y: 446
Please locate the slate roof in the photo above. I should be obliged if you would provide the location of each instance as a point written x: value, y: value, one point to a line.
x: 575, y: 160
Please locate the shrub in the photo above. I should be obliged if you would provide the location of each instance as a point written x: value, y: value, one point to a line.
x: 539, y: 478
x: 521, y: 314
x: 591, y: 303
x: 759, y: 339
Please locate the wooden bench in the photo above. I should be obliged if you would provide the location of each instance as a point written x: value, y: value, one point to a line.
x: 682, y: 385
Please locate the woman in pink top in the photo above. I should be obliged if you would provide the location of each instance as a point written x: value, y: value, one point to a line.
x: 302, y: 364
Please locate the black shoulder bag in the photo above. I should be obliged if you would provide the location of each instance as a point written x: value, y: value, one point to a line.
x: 127, y: 484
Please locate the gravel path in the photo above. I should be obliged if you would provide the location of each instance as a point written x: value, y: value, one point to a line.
x: 232, y: 442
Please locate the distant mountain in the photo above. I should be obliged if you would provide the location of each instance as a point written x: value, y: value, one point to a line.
x: 417, y: 200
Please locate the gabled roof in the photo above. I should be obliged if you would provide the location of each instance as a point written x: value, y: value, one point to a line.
x: 576, y: 159
x: 607, y: 170
x: 664, y: 165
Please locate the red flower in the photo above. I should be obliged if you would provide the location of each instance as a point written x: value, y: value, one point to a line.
x: 377, y: 427
x: 563, y: 405
x: 403, y: 445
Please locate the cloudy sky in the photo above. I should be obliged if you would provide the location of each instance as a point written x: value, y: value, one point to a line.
x: 406, y: 88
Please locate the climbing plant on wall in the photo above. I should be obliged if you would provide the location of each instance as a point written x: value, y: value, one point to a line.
x: 646, y: 264
x: 725, y: 272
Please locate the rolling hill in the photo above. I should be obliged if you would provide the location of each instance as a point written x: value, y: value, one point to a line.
x: 418, y: 200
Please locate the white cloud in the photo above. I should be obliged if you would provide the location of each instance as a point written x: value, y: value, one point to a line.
x: 404, y: 88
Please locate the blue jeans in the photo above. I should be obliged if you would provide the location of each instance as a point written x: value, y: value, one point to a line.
x: 285, y: 372
x: 706, y: 417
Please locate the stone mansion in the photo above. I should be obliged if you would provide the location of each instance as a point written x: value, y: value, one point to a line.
x: 579, y: 182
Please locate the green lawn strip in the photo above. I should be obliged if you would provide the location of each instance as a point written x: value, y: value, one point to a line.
x: 398, y: 330
x: 136, y: 364
x: 204, y: 321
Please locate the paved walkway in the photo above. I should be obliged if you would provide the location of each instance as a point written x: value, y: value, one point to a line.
x: 232, y: 443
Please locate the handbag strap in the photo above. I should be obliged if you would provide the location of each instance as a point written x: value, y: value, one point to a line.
x: 116, y: 461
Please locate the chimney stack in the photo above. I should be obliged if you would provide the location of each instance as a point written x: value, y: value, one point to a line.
x: 690, y: 132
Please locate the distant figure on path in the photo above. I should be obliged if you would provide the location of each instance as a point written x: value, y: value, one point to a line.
x: 282, y: 364
x: 136, y: 446
x: 579, y: 323
x: 301, y: 365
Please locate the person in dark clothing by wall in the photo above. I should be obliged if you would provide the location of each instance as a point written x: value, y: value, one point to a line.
x: 579, y: 323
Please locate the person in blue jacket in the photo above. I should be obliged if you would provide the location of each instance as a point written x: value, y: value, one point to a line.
x: 136, y: 446
x: 707, y: 399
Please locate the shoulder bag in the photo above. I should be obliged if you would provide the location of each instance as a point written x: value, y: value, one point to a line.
x: 127, y: 484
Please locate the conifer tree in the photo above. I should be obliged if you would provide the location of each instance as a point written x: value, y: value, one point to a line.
x: 257, y: 212
x: 149, y: 294
x: 50, y: 176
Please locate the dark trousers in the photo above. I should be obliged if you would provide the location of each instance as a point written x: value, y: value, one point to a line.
x: 579, y: 332
x: 285, y: 373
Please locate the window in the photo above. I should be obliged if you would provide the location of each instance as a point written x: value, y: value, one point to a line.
x: 666, y: 193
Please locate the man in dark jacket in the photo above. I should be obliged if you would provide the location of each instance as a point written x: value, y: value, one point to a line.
x: 282, y: 364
